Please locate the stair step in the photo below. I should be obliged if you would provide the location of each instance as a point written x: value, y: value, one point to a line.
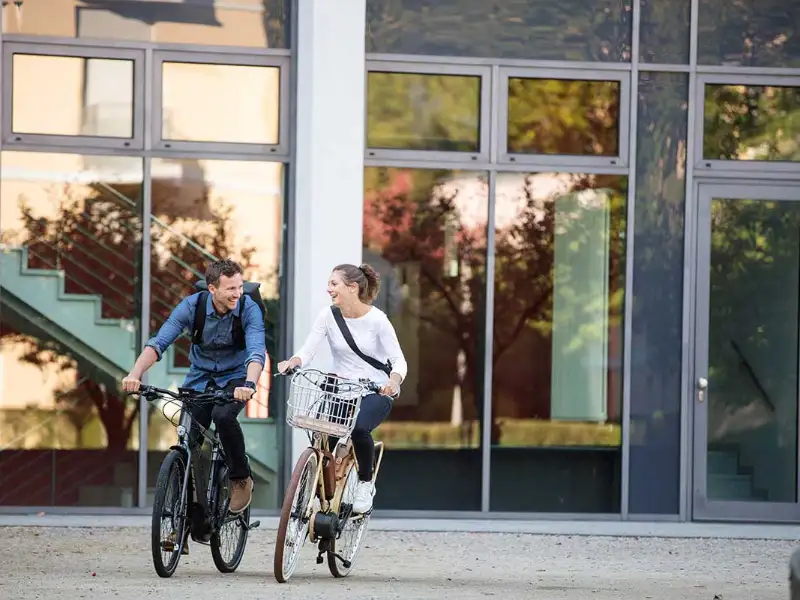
x: 730, y: 487
x: 722, y: 463
x: 106, y: 495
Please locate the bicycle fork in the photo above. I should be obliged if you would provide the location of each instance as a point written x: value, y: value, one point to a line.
x: 183, y: 440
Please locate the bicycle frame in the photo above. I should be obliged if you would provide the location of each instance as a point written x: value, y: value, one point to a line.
x: 204, y: 488
x: 330, y: 492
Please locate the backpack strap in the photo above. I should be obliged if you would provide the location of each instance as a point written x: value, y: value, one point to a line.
x: 337, y: 315
x: 199, y: 318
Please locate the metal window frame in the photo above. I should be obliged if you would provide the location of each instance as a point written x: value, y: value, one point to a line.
x: 56, y: 141
x: 556, y: 160
x: 484, y: 73
x: 735, y: 168
x: 264, y: 151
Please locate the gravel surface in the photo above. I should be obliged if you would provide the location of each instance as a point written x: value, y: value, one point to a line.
x: 115, y: 563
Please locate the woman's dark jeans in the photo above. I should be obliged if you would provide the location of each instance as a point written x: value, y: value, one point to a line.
x: 374, y: 410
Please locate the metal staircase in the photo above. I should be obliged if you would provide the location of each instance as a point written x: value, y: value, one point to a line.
x: 66, y: 292
x: 39, y: 305
x: 727, y: 479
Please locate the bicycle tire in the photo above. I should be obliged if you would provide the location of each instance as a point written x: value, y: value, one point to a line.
x: 794, y: 575
x: 173, y: 468
x: 216, y: 553
x: 335, y: 566
x: 308, y: 462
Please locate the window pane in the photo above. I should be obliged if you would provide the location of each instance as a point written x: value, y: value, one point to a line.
x: 664, y: 35
x: 248, y: 23
x: 425, y: 232
x: 754, y: 33
x: 412, y: 111
x: 70, y: 297
x: 751, y: 122
x: 203, y: 209
x: 70, y: 95
x: 657, y: 319
x: 558, y: 342
x: 598, y: 30
x: 220, y: 103
x: 562, y: 116
x: 753, y: 271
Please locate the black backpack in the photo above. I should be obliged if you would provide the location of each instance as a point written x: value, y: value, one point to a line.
x: 251, y: 288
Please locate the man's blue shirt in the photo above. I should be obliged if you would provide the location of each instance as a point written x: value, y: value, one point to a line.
x: 216, y: 359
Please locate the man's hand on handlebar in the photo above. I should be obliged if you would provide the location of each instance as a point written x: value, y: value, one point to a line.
x: 130, y: 384
x: 243, y: 394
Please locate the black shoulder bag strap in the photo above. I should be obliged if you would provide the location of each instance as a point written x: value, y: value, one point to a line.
x: 199, y: 319
x: 337, y: 315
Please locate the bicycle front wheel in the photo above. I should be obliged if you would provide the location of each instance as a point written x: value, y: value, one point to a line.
x: 229, y: 541
x: 293, y: 525
x: 169, y: 515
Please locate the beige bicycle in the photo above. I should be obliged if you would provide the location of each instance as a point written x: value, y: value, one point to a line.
x: 318, y: 505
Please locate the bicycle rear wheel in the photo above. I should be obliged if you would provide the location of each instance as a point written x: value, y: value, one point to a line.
x: 349, y: 542
x: 293, y: 525
x: 169, y: 515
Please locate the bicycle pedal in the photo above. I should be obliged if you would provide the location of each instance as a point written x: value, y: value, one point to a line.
x: 319, y: 559
x: 168, y: 546
x: 254, y: 525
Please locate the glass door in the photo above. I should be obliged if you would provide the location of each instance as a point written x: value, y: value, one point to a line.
x: 746, y: 364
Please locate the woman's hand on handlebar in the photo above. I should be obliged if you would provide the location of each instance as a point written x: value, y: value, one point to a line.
x: 390, y: 388
x: 289, y: 365
x: 130, y: 384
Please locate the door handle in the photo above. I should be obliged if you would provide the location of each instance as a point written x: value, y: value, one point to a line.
x: 702, y: 386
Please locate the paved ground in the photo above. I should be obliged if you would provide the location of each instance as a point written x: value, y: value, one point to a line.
x: 73, y: 563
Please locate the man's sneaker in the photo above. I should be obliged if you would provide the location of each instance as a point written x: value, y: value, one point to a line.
x: 362, y: 499
x: 241, y: 494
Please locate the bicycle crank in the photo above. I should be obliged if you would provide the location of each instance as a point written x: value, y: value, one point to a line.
x: 325, y: 546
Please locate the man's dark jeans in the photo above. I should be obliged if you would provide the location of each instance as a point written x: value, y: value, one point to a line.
x: 226, y: 418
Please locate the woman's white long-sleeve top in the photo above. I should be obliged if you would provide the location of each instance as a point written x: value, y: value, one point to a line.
x: 374, y: 335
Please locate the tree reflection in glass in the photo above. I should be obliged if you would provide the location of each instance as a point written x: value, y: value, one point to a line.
x: 563, y: 116
x: 751, y: 122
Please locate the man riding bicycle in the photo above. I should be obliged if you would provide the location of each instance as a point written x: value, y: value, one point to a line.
x: 219, y: 361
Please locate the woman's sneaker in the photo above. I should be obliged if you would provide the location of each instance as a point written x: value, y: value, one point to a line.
x: 362, y: 499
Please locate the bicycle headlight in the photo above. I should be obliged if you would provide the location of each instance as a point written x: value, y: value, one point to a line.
x: 181, y: 430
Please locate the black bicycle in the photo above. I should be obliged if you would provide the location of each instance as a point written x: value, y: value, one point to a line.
x: 206, y: 484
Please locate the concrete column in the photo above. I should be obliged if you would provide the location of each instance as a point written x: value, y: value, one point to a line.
x: 329, y: 163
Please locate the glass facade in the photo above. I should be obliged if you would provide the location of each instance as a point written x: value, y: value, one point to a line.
x: 562, y: 186
x: 577, y: 210
x: 120, y: 179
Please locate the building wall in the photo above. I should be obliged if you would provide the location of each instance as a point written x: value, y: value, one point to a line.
x: 524, y: 177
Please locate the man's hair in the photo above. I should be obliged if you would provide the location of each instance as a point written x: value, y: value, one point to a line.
x: 218, y: 268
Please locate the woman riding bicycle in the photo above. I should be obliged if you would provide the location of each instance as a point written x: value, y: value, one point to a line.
x: 352, y: 290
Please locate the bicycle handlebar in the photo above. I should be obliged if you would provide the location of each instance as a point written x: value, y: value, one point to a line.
x: 151, y: 392
x: 367, y: 383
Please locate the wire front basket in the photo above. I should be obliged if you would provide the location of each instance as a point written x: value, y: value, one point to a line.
x: 323, y: 403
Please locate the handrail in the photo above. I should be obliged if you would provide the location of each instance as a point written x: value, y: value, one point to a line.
x: 157, y: 221
x: 749, y: 368
x: 164, y: 285
x: 78, y: 282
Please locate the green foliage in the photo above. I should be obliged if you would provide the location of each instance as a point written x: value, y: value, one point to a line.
x: 424, y: 112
